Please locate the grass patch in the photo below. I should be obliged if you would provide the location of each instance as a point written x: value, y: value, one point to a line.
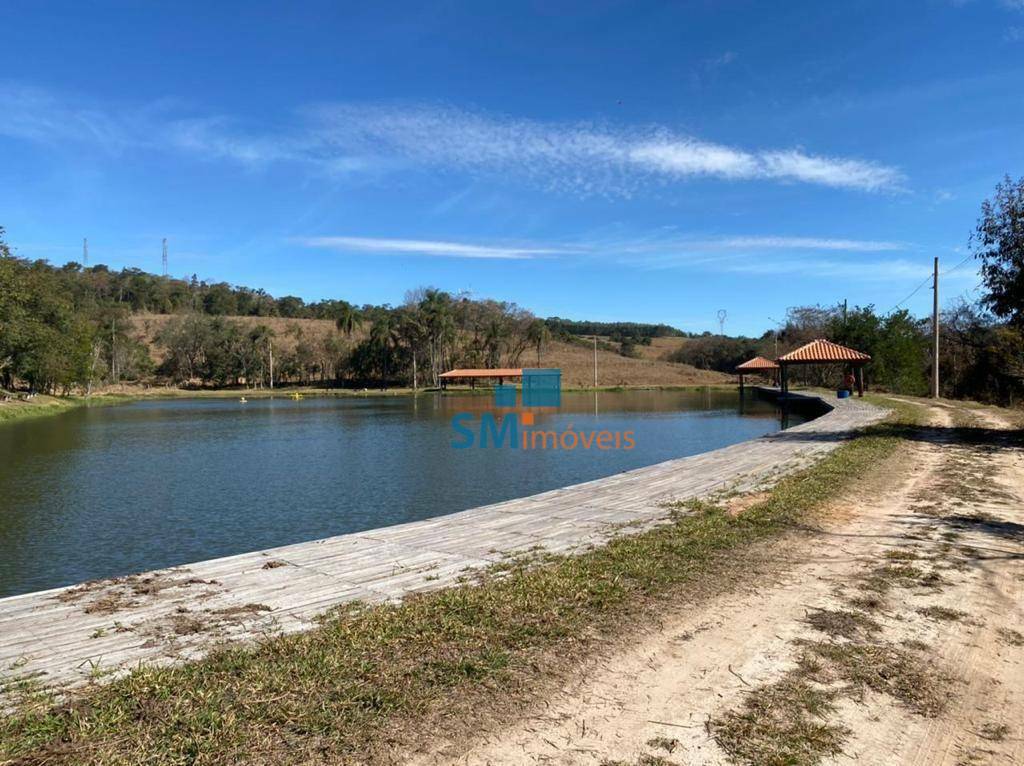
x: 367, y: 681
x: 783, y: 724
x: 644, y: 760
x: 901, y: 555
x: 43, y: 406
x: 903, y: 675
x: 842, y: 623
x: 942, y: 613
x: 881, y: 580
x: 994, y: 732
x: 1011, y: 636
x: 787, y: 723
x: 868, y: 602
x: 663, y: 743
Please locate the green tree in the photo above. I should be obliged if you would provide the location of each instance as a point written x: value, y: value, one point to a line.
x: 998, y: 241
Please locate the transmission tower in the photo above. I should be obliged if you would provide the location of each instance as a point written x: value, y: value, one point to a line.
x: 85, y: 252
x: 165, y: 256
x: 721, y: 321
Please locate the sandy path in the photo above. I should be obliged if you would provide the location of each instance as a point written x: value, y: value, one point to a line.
x: 675, y: 677
x: 983, y: 723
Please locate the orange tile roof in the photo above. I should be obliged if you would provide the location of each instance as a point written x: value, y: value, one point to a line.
x: 757, y: 363
x: 823, y: 351
x: 500, y: 372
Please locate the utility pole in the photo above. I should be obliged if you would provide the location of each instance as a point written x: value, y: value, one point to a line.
x: 85, y: 252
x: 595, y: 361
x: 777, y: 324
x: 935, y: 330
x: 165, y: 256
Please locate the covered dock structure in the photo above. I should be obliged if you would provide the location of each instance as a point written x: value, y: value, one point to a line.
x: 758, y: 366
x: 472, y: 375
x: 821, y: 351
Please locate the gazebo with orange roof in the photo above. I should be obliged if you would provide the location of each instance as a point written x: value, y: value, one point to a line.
x: 757, y: 366
x: 473, y: 374
x: 821, y: 351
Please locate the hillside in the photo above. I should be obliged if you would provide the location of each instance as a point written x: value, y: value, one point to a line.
x: 576, y: 360
x: 577, y: 365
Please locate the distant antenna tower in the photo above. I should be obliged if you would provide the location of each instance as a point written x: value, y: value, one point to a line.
x: 165, y: 256
x: 721, y: 321
x: 85, y: 252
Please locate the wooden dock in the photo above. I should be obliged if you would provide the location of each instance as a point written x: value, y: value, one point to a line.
x: 67, y: 635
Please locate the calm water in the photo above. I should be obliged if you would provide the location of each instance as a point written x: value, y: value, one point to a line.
x: 111, y: 490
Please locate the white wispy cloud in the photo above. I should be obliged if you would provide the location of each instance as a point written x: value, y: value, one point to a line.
x: 670, y: 242
x: 689, y: 157
x: 811, y: 243
x: 427, y: 248
x: 583, y: 158
x: 654, y: 250
x: 719, y: 61
x: 859, y: 271
x: 214, y: 138
x: 32, y: 114
x: 805, y: 257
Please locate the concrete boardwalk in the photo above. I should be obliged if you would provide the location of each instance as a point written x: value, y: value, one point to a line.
x: 67, y: 635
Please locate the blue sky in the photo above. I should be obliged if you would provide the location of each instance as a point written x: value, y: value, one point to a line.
x: 651, y: 162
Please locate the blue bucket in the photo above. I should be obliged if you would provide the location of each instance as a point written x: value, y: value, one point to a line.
x: 842, y: 394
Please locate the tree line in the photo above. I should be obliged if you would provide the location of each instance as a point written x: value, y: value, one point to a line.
x: 639, y: 332
x: 982, y: 345
x: 977, y: 359
x: 65, y: 328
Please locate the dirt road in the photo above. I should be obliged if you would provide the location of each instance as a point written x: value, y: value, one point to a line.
x: 894, y: 634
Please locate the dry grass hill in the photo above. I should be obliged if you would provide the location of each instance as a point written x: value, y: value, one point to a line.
x: 576, y: 360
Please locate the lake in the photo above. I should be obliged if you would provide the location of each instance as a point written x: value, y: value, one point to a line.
x: 106, y: 491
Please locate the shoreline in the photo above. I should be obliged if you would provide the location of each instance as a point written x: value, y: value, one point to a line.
x: 46, y: 405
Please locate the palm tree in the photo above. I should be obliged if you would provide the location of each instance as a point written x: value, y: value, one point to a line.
x: 413, y: 334
x: 347, y: 318
x: 384, y: 339
x: 436, y: 307
x: 539, y: 335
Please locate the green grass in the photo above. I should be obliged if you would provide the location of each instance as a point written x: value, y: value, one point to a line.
x: 44, y: 406
x: 369, y: 681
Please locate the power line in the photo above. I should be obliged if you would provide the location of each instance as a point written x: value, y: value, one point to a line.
x: 912, y: 294
x: 929, y: 277
x: 954, y: 268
